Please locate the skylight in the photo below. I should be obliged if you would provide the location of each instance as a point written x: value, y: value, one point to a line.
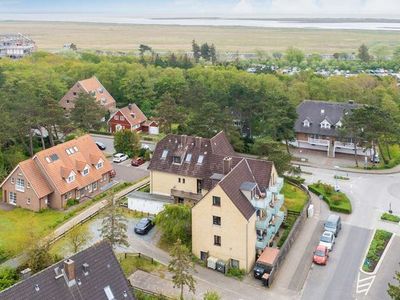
x: 200, y: 159
x: 109, y: 293
x: 188, y: 157
x: 54, y: 157
x: 164, y: 154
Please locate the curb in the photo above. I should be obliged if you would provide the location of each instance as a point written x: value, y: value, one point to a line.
x: 343, y: 169
x: 380, y: 259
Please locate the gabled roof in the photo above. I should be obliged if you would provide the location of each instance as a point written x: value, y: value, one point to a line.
x: 103, y: 270
x: 35, y: 177
x: 132, y: 114
x: 232, y: 183
x: 86, y: 149
x: 92, y: 84
x: 317, y: 111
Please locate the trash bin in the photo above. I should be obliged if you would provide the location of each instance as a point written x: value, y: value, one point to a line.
x: 221, y: 266
x: 310, y: 211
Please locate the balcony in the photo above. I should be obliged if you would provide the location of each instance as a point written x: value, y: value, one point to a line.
x: 277, y: 187
x: 186, y: 195
x: 319, y: 142
x: 262, y: 224
x: 262, y: 203
x: 262, y: 243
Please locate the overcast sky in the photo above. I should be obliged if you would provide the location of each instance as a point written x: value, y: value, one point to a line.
x: 209, y: 8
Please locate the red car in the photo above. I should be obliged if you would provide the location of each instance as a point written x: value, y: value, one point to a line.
x: 321, y: 255
x: 136, y: 162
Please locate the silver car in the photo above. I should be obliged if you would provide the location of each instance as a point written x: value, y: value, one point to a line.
x: 119, y: 157
x: 327, y: 239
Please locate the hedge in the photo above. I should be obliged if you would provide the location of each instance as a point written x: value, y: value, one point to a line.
x: 376, y: 249
x: 343, y: 205
x: 391, y: 218
x: 295, y: 179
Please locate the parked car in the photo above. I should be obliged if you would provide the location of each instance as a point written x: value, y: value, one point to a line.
x: 375, y: 158
x: 119, y: 157
x: 333, y: 224
x: 144, y: 226
x: 101, y: 146
x: 327, y: 239
x: 321, y: 255
x: 136, y: 162
x: 337, y: 188
x: 113, y: 173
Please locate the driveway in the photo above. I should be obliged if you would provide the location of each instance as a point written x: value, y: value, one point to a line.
x: 108, y: 141
x: 128, y: 173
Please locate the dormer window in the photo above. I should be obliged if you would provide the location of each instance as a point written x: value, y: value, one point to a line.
x: 85, y: 171
x: 177, y: 160
x: 188, y: 157
x: 339, y: 124
x: 306, y: 123
x: 71, y: 177
x: 99, y: 164
x: 325, y: 124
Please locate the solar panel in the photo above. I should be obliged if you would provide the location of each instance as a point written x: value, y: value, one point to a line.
x: 54, y: 157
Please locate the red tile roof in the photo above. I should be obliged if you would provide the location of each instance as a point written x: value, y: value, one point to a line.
x: 35, y: 177
x: 93, y: 85
x: 133, y: 114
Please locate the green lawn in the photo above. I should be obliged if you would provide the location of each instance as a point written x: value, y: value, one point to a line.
x: 131, y: 263
x: 337, y: 201
x: 395, y: 157
x: 295, y: 198
x: 19, y: 226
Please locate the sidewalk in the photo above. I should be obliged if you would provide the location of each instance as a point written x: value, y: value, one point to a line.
x: 294, y: 271
x: 68, y: 225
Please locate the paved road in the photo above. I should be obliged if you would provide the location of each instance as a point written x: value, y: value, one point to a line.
x: 108, y: 141
x: 370, y: 195
x: 126, y: 172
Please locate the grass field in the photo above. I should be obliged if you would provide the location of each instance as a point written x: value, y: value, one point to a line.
x: 52, y: 36
x: 295, y: 198
x: 20, y: 226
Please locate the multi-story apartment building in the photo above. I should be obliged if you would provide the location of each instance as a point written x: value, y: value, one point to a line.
x: 236, y: 200
x: 16, y: 45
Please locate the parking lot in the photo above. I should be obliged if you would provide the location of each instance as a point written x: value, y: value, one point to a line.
x: 126, y: 172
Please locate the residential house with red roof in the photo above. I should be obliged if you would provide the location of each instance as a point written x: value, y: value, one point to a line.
x: 73, y: 170
x: 236, y: 200
x: 132, y: 118
x: 90, y: 86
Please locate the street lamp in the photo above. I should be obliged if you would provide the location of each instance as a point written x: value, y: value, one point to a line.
x: 390, y: 208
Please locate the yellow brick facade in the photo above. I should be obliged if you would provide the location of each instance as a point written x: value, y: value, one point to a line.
x: 238, y: 235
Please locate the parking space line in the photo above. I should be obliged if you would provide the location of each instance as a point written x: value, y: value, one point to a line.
x: 364, y: 284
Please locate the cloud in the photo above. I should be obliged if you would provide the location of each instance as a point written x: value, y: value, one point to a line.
x: 243, y: 7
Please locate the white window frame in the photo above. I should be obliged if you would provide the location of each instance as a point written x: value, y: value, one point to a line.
x: 12, y: 180
x: 325, y: 124
x: 94, y: 186
x: 121, y: 118
x: 85, y: 171
x: 306, y: 123
x: 116, y: 117
x: 12, y: 198
x: 100, y: 164
x: 18, y: 186
x: 71, y: 177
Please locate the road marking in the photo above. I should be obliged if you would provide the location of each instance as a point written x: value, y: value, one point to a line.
x: 364, y: 284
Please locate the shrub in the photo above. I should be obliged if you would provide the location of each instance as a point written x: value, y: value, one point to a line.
x: 295, y: 179
x: 377, y: 247
x: 8, y: 277
x: 236, y: 273
x: 390, y: 217
x: 337, y: 201
x: 211, y: 295
x: 72, y: 202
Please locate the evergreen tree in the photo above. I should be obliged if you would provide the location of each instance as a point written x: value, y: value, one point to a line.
x: 181, y: 266
x: 213, y: 54
x: 363, y: 53
x: 205, y: 51
x: 87, y: 113
x: 168, y: 113
x: 196, y: 51
x: 113, y: 227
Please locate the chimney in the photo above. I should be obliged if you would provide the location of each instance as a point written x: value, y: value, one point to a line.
x: 26, y: 273
x: 227, y: 165
x: 130, y: 106
x: 69, y: 269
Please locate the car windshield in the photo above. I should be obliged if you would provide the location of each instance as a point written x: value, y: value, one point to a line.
x: 330, y: 225
x: 143, y: 222
x: 325, y: 239
x: 320, y: 253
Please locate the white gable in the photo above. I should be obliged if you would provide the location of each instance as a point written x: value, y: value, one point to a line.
x: 325, y: 124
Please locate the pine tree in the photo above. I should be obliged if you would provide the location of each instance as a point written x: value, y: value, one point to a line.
x: 205, y: 51
x: 363, y: 53
x: 213, y: 54
x: 181, y: 266
x: 196, y: 51
x: 113, y: 228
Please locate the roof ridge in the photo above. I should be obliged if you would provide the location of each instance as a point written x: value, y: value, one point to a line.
x: 226, y: 175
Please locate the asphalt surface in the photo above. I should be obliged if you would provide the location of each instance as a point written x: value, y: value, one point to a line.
x: 126, y: 172
x: 108, y: 141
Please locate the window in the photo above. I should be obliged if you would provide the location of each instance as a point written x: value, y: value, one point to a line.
x: 76, y: 148
x: 216, y: 201
x: 164, y: 154
x: 217, y: 220
x: 306, y: 123
x: 94, y: 186
x: 179, y: 179
x: 177, y: 160
x: 183, y: 180
x: 28, y: 201
x: 13, y: 198
x: 12, y: 180
x: 85, y: 171
x: 121, y: 118
x: 71, y: 178
x: 200, y: 159
x: 325, y: 124
x: 116, y: 117
x: 20, y: 186
x: 28, y: 185
x: 217, y: 240
x: 109, y: 293
x: 235, y: 263
x: 99, y: 165
x: 74, y: 94
x: 188, y: 157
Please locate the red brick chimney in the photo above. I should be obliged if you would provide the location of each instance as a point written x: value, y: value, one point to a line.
x: 69, y: 268
x: 227, y: 165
